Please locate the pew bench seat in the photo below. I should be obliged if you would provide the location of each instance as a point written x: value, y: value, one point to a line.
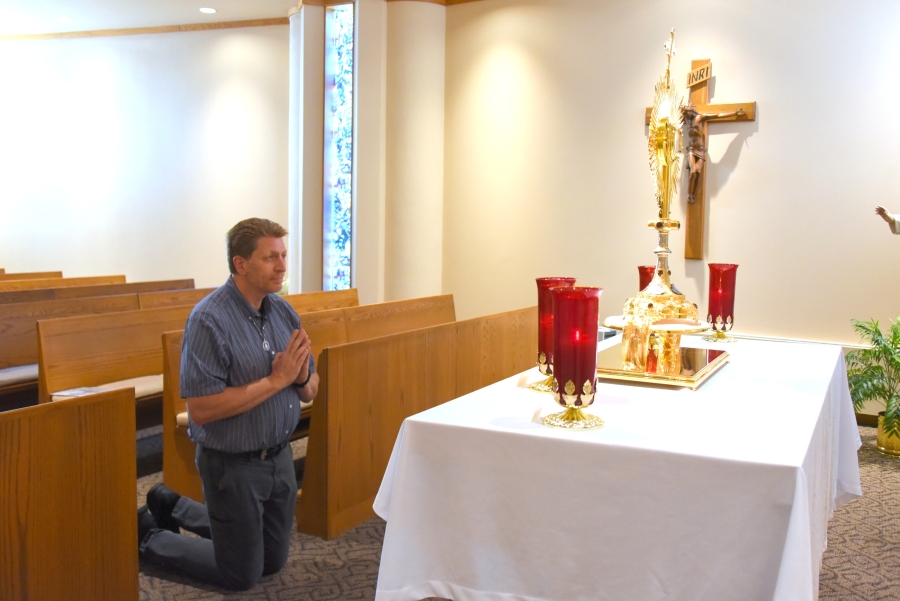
x: 144, y: 387
x: 19, y: 374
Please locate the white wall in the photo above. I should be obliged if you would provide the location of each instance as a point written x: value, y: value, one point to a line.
x: 136, y: 154
x: 369, y: 148
x: 307, y: 143
x: 414, y: 195
x: 546, y: 161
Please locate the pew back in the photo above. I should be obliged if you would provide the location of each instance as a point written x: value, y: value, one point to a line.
x: 339, y: 326
x: 97, y: 349
x: 68, y: 519
x: 26, y: 296
x: 172, y: 298
x: 308, y: 302
x: 368, y: 388
x: 60, y: 282
x: 39, y: 294
x: 32, y: 275
x: 324, y: 328
x: 130, y: 288
x: 371, y: 321
x: 18, y: 336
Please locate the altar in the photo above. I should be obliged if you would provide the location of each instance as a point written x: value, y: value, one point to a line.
x: 720, y: 493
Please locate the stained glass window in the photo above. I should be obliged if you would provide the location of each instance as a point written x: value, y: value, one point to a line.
x: 338, y: 208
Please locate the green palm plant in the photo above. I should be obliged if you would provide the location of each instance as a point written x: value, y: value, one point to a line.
x: 874, y: 372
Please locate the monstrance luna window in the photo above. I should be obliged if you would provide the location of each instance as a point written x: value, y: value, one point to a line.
x: 338, y: 207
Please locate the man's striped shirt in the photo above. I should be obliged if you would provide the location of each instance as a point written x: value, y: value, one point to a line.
x: 228, y: 343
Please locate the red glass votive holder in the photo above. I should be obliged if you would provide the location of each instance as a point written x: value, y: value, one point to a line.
x: 645, y: 273
x: 545, y: 322
x: 721, y: 297
x: 576, y: 313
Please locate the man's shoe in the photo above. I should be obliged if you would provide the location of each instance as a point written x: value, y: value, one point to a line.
x: 161, y: 501
x: 146, y: 523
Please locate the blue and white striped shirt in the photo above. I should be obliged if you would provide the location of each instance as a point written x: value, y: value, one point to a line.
x: 228, y: 343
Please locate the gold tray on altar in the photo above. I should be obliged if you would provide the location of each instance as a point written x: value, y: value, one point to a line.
x: 697, y: 365
x: 676, y: 326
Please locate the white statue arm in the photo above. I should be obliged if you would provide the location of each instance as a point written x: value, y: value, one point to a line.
x: 891, y: 219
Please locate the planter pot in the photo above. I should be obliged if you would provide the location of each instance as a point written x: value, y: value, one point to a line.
x: 889, y: 445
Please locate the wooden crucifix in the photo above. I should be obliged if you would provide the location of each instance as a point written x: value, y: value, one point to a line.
x: 697, y: 115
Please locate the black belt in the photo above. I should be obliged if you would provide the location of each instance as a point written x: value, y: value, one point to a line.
x: 262, y: 454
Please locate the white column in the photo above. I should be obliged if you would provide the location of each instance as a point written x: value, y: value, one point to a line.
x: 369, y: 150
x: 306, y: 148
x: 415, y: 149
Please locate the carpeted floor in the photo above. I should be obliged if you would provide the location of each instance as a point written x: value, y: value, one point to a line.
x: 862, y: 562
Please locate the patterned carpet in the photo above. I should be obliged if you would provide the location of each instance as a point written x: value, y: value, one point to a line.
x: 862, y: 562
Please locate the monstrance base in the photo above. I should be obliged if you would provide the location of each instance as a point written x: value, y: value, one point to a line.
x: 719, y: 336
x: 573, y: 418
x: 543, y: 385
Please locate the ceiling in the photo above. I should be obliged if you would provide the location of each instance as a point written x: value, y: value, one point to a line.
x: 19, y: 17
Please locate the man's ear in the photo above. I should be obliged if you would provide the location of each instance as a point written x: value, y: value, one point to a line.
x: 239, y: 265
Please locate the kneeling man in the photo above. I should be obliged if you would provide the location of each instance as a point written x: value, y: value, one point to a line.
x: 246, y: 365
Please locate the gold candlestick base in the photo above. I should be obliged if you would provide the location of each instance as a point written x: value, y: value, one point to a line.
x: 543, y: 385
x: 573, y: 418
x: 719, y: 336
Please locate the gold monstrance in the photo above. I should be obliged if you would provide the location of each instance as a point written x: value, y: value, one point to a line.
x: 656, y: 318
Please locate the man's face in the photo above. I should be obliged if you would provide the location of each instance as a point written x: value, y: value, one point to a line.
x: 265, y: 268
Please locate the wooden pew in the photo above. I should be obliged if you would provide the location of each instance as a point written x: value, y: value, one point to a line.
x: 172, y: 298
x: 96, y: 350
x: 2, y: 270
x: 325, y: 328
x: 131, y: 288
x: 18, y: 337
x: 67, y: 520
x: 368, y: 388
x: 33, y: 275
x: 60, y: 282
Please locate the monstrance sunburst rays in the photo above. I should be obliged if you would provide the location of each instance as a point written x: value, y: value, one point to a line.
x: 665, y: 137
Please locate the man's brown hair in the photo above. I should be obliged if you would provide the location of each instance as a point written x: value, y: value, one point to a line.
x: 244, y: 237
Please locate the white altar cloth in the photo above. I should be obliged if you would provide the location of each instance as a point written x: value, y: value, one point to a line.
x: 715, y: 494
